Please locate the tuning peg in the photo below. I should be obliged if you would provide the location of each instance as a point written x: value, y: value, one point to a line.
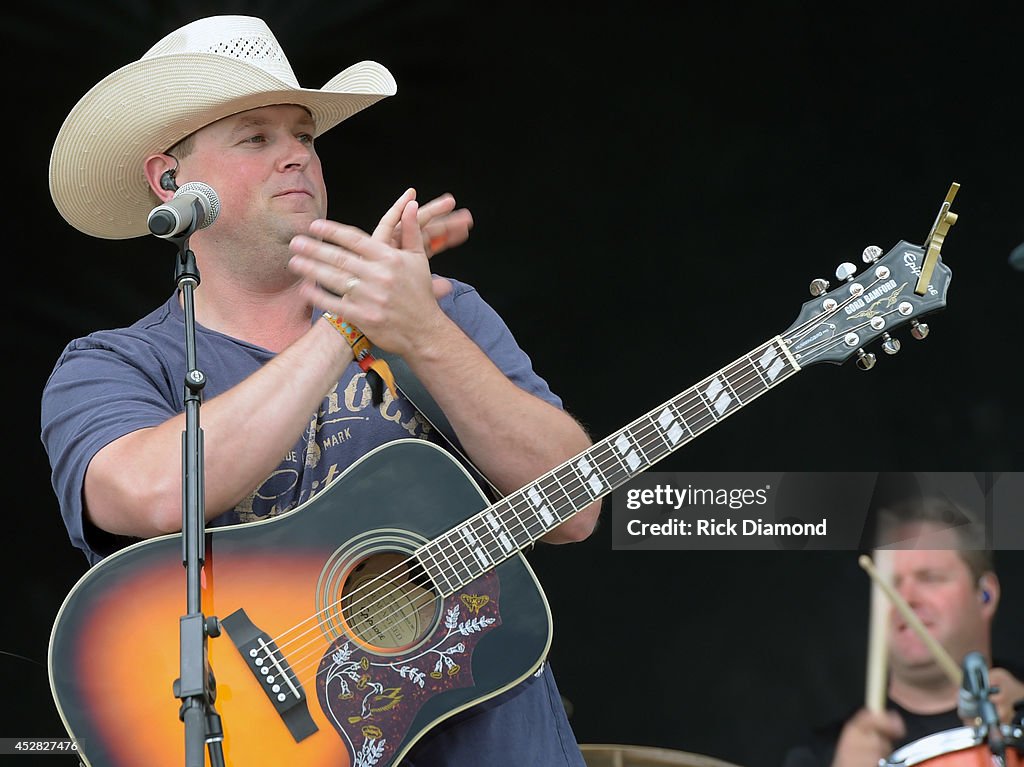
x: 845, y: 271
x: 818, y: 287
x: 919, y: 330
x: 871, y: 254
x: 865, y: 360
x: 890, y: 345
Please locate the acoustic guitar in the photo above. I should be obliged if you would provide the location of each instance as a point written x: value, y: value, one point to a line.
x: 399, y: 595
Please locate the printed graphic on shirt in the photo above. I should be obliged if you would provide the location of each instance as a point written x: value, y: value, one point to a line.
x: 347, y: 426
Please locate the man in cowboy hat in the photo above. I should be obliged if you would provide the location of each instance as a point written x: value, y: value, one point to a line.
x: 283, y: 295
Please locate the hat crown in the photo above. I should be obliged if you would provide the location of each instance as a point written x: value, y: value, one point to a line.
x: 242, y: 38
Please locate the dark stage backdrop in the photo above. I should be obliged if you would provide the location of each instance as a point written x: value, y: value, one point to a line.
x: 654, y: 186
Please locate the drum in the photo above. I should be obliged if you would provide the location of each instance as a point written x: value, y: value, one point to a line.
x: 959, y: 747
x: 614, y: 755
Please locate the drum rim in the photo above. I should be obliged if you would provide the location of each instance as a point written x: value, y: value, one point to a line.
x: 923, y: 749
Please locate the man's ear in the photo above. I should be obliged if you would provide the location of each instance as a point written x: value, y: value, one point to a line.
x: 160, y: 170
x: 988, y: 593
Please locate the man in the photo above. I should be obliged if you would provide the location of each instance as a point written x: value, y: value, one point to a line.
x: 283, y: 294
x: 946, y: 576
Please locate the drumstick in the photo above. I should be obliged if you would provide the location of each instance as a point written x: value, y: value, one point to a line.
x: 875, y: 692
x: 944, y: 660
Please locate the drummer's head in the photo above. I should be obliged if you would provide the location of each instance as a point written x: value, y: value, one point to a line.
x: 944, y: 571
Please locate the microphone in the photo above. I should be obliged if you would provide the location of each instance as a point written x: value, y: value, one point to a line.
x: 974, y: 701
x: 974, y: 687
x: 194, y: 206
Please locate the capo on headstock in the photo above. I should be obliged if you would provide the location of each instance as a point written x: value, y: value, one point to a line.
x: 933, y: 244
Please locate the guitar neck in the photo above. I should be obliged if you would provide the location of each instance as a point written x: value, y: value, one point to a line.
x: 521, y: 518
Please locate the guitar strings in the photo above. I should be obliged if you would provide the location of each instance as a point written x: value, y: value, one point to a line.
x: 609, y: 460
x: 385, y: 594
x: 647, y: 438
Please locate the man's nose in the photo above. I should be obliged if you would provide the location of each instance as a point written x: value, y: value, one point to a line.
x: 909, y: 591
x: 296, y: 153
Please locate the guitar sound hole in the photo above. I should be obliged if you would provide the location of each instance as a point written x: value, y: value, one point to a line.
x: 387, y: 602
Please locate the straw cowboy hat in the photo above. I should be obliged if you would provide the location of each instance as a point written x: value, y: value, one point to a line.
x: 196, y: 75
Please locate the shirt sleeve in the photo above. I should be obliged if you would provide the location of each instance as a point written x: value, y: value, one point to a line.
x: 483, y: 324
x: 99, y: 390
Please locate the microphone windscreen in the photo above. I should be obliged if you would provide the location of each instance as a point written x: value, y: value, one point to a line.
x: 211, y: 202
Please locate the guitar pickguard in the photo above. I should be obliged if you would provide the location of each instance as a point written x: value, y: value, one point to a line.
x: 373, y: 699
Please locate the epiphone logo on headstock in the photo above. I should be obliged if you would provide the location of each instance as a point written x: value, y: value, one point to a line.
x: 910, y: 261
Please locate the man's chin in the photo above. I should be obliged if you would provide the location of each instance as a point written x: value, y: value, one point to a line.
x: 288, y: 227
x: 923, y: 669
x: 913, y: 658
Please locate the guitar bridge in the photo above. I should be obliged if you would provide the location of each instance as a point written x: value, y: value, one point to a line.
x: 272, y: 671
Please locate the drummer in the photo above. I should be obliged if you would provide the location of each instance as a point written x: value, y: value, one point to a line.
x: 951, y: 585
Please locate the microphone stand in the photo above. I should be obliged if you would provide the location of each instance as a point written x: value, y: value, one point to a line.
x: 196, y: 687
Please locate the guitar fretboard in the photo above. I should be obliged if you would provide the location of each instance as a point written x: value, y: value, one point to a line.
x: 491, y: 536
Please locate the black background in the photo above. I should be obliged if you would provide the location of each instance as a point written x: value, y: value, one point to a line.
x: 654, y: 185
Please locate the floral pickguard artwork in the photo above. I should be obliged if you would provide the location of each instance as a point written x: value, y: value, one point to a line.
x: 372, y: 699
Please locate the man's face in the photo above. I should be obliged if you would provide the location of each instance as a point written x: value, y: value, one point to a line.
x: 265, y: 171
x: 939, y: 588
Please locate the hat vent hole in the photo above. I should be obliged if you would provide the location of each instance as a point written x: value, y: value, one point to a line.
x: 248, y: 49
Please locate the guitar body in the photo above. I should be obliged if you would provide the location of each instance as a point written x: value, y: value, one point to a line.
x: 337, y: 648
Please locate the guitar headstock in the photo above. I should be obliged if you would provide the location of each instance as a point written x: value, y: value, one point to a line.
x: 892, y: 291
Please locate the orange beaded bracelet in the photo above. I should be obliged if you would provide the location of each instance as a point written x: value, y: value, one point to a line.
x: 361, y: 351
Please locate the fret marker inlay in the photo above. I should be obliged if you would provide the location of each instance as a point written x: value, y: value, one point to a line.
x: 718, y: 396
x: 771, y: 363
x: 668, y: 424
x: 540, y: 506
x: 473, y: 543
x: 588, y: 473
x: 622, y: 444
x: 499, y: 531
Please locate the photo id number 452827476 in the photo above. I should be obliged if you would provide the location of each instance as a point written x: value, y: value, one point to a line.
x: 15, y: 746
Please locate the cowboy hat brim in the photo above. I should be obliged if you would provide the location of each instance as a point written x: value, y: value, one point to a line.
x: 96, y: 166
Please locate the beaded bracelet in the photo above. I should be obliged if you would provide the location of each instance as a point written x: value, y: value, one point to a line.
x: 377, y: 371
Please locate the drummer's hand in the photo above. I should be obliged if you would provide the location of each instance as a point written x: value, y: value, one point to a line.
x: 1010, y: 690
x: 867, y: 738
